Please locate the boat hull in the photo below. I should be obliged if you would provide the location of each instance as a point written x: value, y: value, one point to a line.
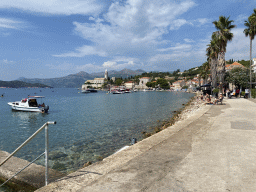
x: 29, y: 109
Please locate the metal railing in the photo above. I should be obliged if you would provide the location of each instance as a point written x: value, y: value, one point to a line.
x: 45, y: 126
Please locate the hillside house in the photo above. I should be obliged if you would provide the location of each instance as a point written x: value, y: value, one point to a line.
x: 229, y: 67
x: 177, y: 85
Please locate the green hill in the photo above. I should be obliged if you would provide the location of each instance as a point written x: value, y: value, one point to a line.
x: 19, y: 84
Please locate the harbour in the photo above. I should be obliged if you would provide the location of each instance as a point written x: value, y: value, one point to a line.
x: 89, y: 127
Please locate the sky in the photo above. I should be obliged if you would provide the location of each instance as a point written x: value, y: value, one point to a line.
x: 55, y: 38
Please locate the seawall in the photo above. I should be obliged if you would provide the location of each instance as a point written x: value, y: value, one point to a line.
x: 89, y: 176
x: 33, y: 176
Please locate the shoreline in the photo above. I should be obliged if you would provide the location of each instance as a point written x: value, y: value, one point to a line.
x: 192, y: 111
x: 188, y: 109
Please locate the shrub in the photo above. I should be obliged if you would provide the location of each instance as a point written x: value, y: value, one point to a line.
x: 253, y: 93
x: 216, y: 90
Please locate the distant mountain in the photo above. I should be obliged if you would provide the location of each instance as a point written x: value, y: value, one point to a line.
x: 76, y: 80
x: 19, y: 84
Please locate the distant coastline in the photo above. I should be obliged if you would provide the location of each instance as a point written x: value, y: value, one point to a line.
x: 20, y: 84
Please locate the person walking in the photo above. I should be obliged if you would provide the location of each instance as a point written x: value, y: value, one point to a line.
x: 246, y: 93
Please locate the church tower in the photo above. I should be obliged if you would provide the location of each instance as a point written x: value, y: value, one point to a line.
x: 106, y: 74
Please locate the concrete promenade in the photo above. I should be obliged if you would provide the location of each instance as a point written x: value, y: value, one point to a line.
x: 213, y: 150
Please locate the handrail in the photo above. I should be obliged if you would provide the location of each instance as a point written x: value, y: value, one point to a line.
x: 46, y: 147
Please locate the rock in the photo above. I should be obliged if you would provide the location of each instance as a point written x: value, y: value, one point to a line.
x: 56, y: 155
x: 87, y: 164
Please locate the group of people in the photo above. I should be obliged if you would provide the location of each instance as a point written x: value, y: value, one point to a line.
x: 236, y: 93
x: 208, y: 99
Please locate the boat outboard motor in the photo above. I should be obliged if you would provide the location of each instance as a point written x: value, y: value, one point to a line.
x: 134, y: 140
x: 46, y: 108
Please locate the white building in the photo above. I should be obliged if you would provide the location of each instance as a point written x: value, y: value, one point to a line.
x: 129, y: 84
x: 143, y: 82
x: 254, y: 65
x: 96, y: 83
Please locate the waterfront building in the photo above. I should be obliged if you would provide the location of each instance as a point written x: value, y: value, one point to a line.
x: 178, y: 84
x: 96, y: 82
x: 143, y: 82
x: 129, y: 84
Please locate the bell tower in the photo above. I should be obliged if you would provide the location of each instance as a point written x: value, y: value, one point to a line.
x: 106, y: 74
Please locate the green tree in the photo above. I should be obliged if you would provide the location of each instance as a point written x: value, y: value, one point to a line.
x: 212, y: 58
x: 238, y: 76
x: 118, y: 82
x: 204, y: 71
x: 163, y: 83
x: 251, y: 32
x: 223, y: 35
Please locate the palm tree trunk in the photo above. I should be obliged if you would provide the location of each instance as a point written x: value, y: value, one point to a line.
x: 221, y: 69
x: 250, y: 67
x: 213, y: 66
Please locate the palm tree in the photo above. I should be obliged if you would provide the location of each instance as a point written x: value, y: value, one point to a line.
x: 251, y: 32
x: 223, y: 35
x: 212, y: 57
x: 204, y: 72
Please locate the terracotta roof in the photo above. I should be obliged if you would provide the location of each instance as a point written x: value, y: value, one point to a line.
x: 129, y: 82
x: 234, y: 64
x: 145, y: 78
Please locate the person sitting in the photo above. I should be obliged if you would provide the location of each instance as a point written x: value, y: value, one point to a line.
x: 219, y: 100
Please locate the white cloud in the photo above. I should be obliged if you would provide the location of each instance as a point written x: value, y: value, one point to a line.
x: 189, y: 40
x: 203, y: 21
x: 240, y: 19
x: 10, y: 23
x: 82, y: 51
x: 7, y: 62
x: 131, y: 29
x: 176, y: 24
x: 177, y: 47
x: 63, y: 7
x: 239, y: 47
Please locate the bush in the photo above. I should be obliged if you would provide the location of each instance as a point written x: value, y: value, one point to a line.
x: 242, y: 93
x: 254, y: 93
x: 216, y: 90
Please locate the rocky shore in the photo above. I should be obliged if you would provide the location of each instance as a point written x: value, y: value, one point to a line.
x: 189, y: 109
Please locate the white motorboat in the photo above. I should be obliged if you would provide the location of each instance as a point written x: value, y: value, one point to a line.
x: 85, y: 91
x: 29, y: 104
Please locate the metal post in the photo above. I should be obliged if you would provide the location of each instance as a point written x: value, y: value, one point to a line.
x: 46, y: 154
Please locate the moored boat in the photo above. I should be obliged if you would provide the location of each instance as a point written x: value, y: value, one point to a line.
x: 29, y: 104
x: 85, y: 91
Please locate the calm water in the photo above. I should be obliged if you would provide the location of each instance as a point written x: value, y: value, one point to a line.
x: 89, y: 126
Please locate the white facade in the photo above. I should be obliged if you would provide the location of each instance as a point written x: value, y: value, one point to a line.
x: 143, y: 82
x: 106, y: 74
x: 129, y: 84
x: 96, y: 83
x: 254, y: 65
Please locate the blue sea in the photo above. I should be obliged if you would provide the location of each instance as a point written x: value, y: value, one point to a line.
x: 89, y: 126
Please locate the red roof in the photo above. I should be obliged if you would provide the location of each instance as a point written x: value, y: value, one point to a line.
x: 234, y: 64
x: 129, y: 82
x: 145, y: 78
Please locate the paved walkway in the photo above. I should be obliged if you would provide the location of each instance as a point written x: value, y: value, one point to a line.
x: 214, y: 150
